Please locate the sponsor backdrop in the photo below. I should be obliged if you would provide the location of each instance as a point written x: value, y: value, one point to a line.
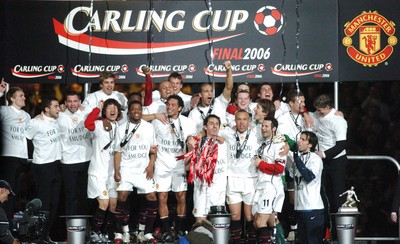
x: 368, y: 48
x: 276, y: 41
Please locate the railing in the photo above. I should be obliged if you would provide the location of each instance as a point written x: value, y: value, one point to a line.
x: 372, y: 157
x: 397, y: 165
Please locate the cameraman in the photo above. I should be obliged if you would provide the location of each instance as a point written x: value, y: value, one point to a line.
x: 5, y: 234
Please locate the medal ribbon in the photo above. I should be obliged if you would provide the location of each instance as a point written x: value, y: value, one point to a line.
x: 127, y: 136
x: 240, y: 148
x: 304, y: 157
x: 295, y: 120
x: 112, y: 134
x: 179, y: 135
x: 209, y: 111
x: 260, y: 150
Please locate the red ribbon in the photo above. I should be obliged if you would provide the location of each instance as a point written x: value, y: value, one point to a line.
x: 202, y: 163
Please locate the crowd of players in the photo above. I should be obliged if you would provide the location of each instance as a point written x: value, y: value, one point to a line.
x: 234, y: 151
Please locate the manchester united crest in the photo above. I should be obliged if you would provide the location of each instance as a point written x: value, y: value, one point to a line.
x: 370, y: 39
x: 373, y: 47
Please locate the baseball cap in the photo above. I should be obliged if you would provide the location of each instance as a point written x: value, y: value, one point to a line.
x: 5, y: 184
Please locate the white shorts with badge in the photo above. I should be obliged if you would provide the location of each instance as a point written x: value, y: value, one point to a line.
x: 240, y: 189
x: 204, y: 198
x: 101, y: 187
x: 268, y: 200
x: 137, y: 181
x: 170, y: 180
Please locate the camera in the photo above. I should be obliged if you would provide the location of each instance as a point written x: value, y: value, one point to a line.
x: 30, y: 225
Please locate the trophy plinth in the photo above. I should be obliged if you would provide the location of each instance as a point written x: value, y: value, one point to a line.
x: 348, y: 210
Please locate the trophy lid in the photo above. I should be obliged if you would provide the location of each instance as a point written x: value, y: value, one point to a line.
x: 221, y: 209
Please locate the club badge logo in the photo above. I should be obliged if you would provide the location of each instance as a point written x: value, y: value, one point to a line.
x: 372, y: 28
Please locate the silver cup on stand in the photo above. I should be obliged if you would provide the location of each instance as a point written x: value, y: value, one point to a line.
x: 221, y: 222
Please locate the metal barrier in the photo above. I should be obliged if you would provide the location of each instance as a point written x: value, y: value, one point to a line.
x: 369, y: 157
x: 397, y: 165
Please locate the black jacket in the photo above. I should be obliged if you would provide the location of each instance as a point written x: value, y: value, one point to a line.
x: 5, y: 234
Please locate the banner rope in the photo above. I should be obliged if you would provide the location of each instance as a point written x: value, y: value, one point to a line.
x: 210, y: 60
x: 298, y: 2
x: 297, y: 42
x: 90, y: 43
x: 150, y: 38
x: 283, y: 44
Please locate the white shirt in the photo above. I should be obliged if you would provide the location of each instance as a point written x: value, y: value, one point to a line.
x: 13, y: 135
x: 76, y: 140
x: 155, y: 95
x: 220, y: 173
x: 186, y: 101
x: 230, y: 118
x: 219, y: 109
x: 283, y: 108
x: 135, y: 154
x: 155, y: 107
x: 287, y: 125
x: 168, y: 145
x: 307, y: 195
x: 45, y: 135
x: 270, y: 155
x: 102, y: 161
x: 92, y: 100
x: 330, y: 129
x: 185, y: 97
x: 244, y: 165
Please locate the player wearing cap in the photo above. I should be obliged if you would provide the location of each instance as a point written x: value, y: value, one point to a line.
x: 5, y: 234
x: 134, y: 159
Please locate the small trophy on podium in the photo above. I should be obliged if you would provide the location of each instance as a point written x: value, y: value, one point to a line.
x: 350, y: 201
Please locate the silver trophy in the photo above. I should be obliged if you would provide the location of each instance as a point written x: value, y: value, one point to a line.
x: 349, y: 205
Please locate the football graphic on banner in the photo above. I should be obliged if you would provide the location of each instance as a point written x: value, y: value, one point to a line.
x: 268, y: 20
